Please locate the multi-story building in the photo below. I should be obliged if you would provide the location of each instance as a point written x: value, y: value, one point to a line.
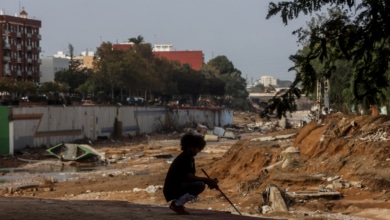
x: 20, y: 48
x: 85, y: 59
x: 51, y: 65
x: 268, y: 80
x: 194, y: 58
x: 61, y: 61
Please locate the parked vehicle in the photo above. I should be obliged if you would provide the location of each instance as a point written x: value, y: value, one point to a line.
x: 135, y: 101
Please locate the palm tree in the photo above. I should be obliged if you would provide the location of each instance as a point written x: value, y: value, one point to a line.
x: 137, y: 40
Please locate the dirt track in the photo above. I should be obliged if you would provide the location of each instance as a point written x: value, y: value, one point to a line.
x: 46, y: 209
x: 335, y: 153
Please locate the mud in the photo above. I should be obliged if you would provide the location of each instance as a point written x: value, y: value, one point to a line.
x: 344, y: 154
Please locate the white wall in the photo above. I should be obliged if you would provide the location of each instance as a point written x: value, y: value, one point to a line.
x: 50, y: 125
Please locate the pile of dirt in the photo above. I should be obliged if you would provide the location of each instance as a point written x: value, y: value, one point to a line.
x: 344, y: 153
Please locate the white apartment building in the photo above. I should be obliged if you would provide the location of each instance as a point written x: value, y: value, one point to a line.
x: 268, y: 80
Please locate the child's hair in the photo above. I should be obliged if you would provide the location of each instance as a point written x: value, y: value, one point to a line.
x: 190, y: 140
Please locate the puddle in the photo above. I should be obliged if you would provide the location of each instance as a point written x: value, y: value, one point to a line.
x: 22, y: 176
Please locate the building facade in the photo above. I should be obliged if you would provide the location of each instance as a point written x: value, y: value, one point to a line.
x: 85, y: 59
x: 268, y: 80
x: 20, y: 47
x: 51, y: 65
x: 194, y: 58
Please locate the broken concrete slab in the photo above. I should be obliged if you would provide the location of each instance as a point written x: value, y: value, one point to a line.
x: 273, y: 200
x: 229, y: 134
x: 273, y: 138
x: 277, y: 202
x: 220, y: 132
x: 314, y: 195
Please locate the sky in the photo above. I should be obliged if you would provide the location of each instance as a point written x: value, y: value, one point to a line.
x: 236, y: 29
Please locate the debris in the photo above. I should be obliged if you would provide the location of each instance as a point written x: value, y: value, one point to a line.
x: 229, y: 134
x: 211, y: 138
x: 201, y: 129
x: 220, y: 132
x: 267, y: 169
x: 150, y: 189
x: 162, y: 155
x: 68, y: 151
x: 273, y: 200
x: 314, y: 195
x: 273, y: 138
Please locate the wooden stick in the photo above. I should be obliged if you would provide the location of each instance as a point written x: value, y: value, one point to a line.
x: 223, y: 194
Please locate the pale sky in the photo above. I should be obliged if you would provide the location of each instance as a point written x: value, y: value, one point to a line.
x: 236, y: 29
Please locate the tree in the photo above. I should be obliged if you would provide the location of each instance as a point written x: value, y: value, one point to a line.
x: 137, y: 40
x: 73, y: 64
x: 109, y: 68
x: 164, y: 84
x: 222, y: 64
x: 360, y: 34
x: 283, y: 83
x: 215, y: 86
x: 52, y: 89
x: 236, y: 95
x: 257, y: 88
x: 26, y: 88
x: 7, y: 85
x: 190, y: 83
x: 73, y: 78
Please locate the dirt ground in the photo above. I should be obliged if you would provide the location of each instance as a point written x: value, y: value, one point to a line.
x: 348, y: 155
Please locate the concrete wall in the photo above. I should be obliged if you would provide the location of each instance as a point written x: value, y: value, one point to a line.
x: 210, y: 118
x: 50, y: 125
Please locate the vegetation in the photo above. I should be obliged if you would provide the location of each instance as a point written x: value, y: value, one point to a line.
x: 350, y: 47
x: 118, y: 74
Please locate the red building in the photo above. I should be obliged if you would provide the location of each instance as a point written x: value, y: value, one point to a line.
x: 19, y: 50
x: 194, y: 58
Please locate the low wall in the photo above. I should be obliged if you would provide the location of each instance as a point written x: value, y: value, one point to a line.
x: 35, y: 126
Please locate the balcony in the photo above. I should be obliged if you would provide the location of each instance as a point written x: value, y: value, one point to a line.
x: 6, y: 32
x: 6, y: 58
x: 7, y: 46
x: 29, y: 72
x: 7, y: 71
x: 29, y: 35
x: 29, y: 47
x: 29, y: 60
x: 18, y: 46
x: 19, y: 72
x: 19, y: 60
x: 18, y: 34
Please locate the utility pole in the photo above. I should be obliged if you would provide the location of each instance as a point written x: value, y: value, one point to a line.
x: 322, y: 97
x: 326, y: 95
x: 319, y: 100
